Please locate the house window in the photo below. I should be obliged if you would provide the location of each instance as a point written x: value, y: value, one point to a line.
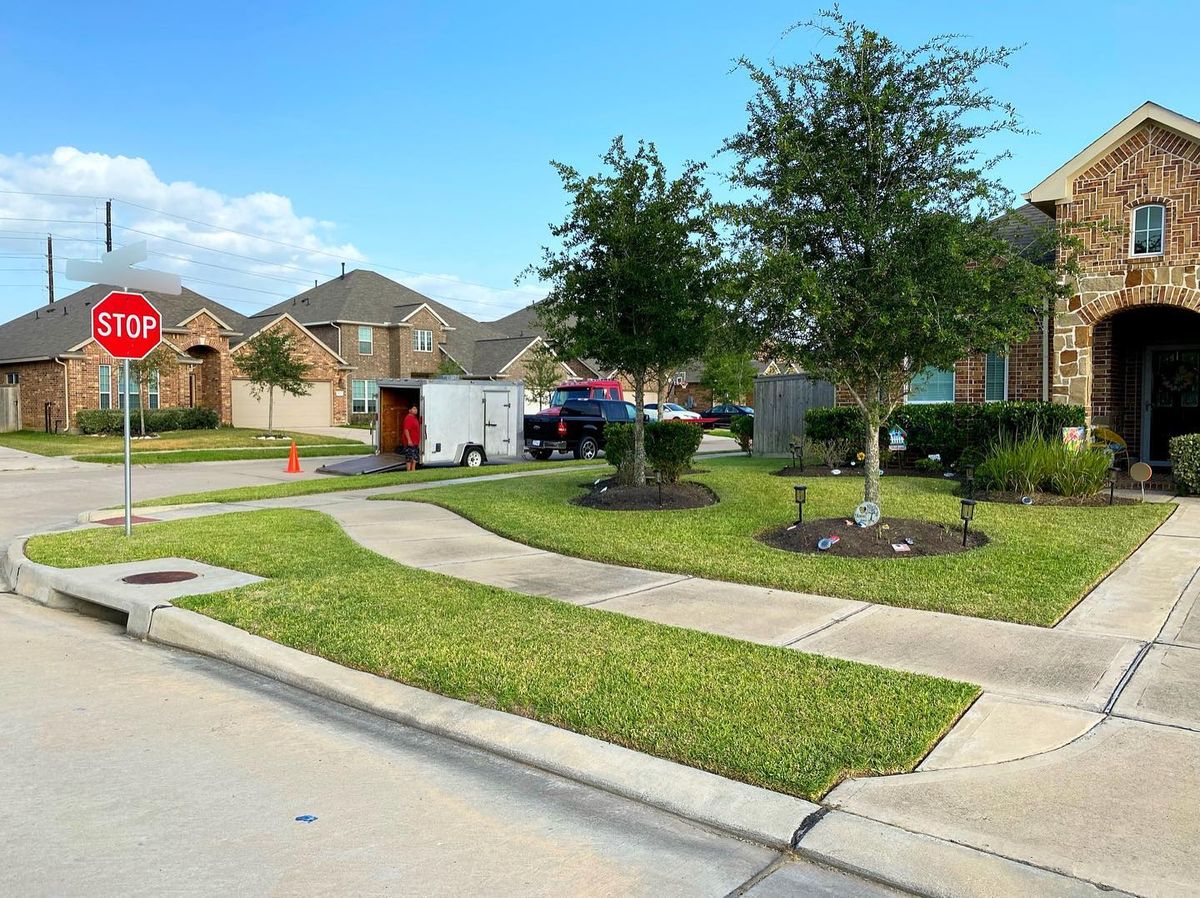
x: 152, y: 390
x: 135, y: 390
x: 995, y: 377
x: 932, y: 385
x: 422, y: 341
x: 1148, y: 229
x: 366, y: 341
x: 106, y: 386
x: 364, y: 397
x: 13, y: 377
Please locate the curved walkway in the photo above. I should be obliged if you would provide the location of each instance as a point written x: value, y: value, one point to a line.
x: 1116, y: 683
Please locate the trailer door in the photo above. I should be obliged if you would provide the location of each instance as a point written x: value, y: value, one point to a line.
x: 497, y: 437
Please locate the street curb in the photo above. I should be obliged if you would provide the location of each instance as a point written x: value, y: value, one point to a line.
x: 745, y: 811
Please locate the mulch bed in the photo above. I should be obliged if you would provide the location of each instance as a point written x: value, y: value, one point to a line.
x: 610, y: 496
x: 1053, y: 499
x: 928, y: 538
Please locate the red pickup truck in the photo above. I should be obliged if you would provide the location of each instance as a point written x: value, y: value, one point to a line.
x: 582, y: 389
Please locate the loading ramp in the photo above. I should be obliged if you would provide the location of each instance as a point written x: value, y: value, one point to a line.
x: 365, y: 464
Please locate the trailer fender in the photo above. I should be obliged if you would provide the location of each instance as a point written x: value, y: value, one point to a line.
x: 471, y: 455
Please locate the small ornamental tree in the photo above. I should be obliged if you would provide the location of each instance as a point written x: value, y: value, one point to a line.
x: 634, y: 279
x: 272, y: 361
x: 869, y: 243
x: 160, y: 359
x: 729, y: 375
x: 448, y: 367
x: 543, y: 372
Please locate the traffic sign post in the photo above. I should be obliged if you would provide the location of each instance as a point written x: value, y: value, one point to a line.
x: 128, y: 327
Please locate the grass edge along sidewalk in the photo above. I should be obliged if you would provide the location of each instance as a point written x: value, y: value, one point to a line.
x: 184, y: 456
x: 335, y: 484
x: 764, y: 715
x: 78, y: 445
x: 1038, y: 565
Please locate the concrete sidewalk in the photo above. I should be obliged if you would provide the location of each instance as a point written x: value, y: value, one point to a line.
x: 1082, y: 757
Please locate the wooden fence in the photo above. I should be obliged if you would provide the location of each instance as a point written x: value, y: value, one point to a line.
x: 779, y: 406
x: 10, y: 407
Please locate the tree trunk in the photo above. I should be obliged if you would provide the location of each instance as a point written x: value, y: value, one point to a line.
x: 871, y: 451
x: 639, y: 430
x: 271, y: 411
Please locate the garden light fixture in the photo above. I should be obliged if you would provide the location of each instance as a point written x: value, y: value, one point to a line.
x: 969, y: 476
x: 801, y: 494
x: 966, y: 512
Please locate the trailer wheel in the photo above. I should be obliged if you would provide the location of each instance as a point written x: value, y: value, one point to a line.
x: 473, y: 457
x: 587, y: 448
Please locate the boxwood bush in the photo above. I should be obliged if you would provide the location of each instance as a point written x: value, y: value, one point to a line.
x: 111, y: 421
x: 742, y: 428
x: 670, y: 446
x: 950, y: 428
x: 1185, y: 459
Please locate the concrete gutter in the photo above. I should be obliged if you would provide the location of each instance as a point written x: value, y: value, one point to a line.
x: 914, y: 862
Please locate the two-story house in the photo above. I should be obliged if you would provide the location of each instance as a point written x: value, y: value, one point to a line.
x: 1126, y: 344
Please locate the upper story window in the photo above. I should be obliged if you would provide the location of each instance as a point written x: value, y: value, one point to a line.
x: 366, y: 341
x: 932, y: 385
x: 1148, y: 230
x: 13, y: 377
x: 422, y: 341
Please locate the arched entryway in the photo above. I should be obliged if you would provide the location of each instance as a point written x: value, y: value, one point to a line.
x: 1145, y: 376
x: 204, y: 380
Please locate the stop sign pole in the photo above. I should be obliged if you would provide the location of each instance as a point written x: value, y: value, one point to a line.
x: 128, y: 327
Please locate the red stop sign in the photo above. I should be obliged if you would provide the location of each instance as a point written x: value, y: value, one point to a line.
x: 126, y: 325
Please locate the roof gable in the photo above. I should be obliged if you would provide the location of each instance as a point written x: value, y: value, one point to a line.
x: 285, y: 317
x: 1059, y: 186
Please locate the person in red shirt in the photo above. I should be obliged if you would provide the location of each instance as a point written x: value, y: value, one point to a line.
x: 410, y: 439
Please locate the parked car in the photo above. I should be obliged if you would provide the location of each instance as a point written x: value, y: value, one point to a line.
x: 671, y: 412
x: 722, y: 415
x: 583, y: 389
x: 577, y: 427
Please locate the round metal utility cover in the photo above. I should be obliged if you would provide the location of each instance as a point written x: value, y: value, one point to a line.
x: 153, y: 577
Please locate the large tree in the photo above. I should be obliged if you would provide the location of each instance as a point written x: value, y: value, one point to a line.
x: 272, y: 361
x: 868, y: 238
x: 633, y: 281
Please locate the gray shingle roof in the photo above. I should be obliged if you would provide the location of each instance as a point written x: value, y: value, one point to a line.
x: 1026, y: 228
x: 50, y: 330
x: 492, y: 355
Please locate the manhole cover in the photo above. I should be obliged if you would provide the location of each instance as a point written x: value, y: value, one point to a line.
x: 151, y: 577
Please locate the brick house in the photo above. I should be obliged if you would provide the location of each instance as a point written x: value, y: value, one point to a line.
x: 60, y: 370
x: 1126, y: 344
x: 384, y: 329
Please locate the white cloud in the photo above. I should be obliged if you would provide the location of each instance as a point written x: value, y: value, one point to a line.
x: 244, y: 271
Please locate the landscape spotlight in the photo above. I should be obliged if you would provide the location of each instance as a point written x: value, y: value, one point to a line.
x: 966, y: 512
x: 801, y: 494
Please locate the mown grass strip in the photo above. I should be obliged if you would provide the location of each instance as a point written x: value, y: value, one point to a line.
x: 335, y: 484
x: 1039, y: 563
x: 77, y: 444
x: 182, y: 456
x: 768, y: 716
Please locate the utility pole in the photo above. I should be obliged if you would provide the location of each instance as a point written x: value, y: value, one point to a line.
x: 108, y: 226
x: 50, y: 265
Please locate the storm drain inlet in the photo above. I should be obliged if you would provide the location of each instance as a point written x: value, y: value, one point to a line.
x: 150, y: 578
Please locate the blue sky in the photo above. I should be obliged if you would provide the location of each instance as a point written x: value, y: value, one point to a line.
x: 417, y: 135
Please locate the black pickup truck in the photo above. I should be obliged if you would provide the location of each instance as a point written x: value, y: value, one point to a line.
x: 578, y: 427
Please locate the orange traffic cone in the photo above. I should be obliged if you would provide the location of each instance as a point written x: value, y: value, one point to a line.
x: 293, y: 465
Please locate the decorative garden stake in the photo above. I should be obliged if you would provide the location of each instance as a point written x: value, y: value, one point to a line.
x: 966, y: 513
x: 801, y: 494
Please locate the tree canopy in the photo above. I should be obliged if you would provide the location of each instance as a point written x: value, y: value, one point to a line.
x: 633, y: 282
x: 272, y: 361
x: 867, y: 239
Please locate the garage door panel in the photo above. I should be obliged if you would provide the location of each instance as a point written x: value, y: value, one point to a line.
x: 313, y: 410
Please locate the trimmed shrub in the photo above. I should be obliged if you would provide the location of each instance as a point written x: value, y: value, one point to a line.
x: 362, y: 420
x: 950, y: 428
x: 670, y: 446
x: 111, y: 421
x: 1185, y: 459
x: 928, y: 465
x: 742, y: 428
x: 1044, y: 463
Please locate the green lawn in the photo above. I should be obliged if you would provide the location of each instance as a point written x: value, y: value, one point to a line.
x: 335, y: 484
x: 180, y: 456
x: 221, y: 438
x: 769, y: 716
x: 1039, y: 563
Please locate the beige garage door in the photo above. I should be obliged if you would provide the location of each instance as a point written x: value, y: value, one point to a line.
x: 313, y: 410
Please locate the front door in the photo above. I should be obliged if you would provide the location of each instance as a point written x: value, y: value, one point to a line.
x: 497, y: 441
x: 1171, y: 399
